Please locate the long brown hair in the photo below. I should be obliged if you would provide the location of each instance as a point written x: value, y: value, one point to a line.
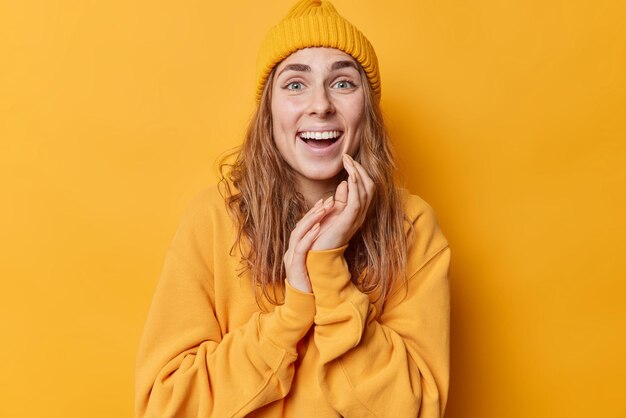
x: 261, y: 194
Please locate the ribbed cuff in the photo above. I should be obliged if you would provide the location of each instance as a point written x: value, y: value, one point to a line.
x: 329, y: 275
x: 290, y: 321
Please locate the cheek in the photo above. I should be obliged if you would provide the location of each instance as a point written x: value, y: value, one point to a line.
x: 360, y: 105
x: 355, y: 115
x: 353, y: 109
x: 284, y: 116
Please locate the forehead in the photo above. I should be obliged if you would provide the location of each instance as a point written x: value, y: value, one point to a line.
x: 319, y: 57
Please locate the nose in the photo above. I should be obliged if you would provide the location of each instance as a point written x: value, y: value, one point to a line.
x: 321, y: 103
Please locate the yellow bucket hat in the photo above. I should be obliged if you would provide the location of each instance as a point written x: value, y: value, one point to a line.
x: 315, y: 23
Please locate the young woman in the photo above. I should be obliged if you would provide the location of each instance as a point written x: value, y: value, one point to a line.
x: 308, y: 284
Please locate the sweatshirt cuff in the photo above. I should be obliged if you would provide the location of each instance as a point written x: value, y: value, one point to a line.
x: 290, y: 321
x: 330, y: 276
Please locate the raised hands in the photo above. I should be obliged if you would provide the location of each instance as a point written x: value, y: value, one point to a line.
x: 346, y: 215
x: 329, y: 224
x: 300, y: 242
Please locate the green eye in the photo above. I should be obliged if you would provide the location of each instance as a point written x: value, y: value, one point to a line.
x: 344, y: 84
x: 294, y: 85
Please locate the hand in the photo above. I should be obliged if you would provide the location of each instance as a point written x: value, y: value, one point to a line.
x: 346, y: 215
x: 300, y: 241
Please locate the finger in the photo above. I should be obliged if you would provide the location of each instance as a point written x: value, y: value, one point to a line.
x: 363, y: 176
x: 304, y: 225
x: 350, y: 169
x: 328, y: 203
x: 360, y: 182
x: 298, y: 262
x: 316, y: 205
x: 353, y: 183
x: 341, y: 194
x: 354, y: 202
x: 368, y: 183
x: 305, y: 243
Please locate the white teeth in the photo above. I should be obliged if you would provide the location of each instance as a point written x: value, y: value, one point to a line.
x: 320, y: 135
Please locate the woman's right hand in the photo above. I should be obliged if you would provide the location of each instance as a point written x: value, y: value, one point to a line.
x: 300, y: 242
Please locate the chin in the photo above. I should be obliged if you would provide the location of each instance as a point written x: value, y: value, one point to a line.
x: 322, y: 174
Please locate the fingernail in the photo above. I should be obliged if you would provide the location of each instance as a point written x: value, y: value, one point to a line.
x: 319, y: 202
x: 328, y: 202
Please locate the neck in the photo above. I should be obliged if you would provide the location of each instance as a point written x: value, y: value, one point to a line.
x: 314, y: 190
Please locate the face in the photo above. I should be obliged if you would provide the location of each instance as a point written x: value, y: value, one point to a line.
x: 317, y: 111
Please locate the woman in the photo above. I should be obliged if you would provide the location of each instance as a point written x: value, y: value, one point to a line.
x: 309, y: 285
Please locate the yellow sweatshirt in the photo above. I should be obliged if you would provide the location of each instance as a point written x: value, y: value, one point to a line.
x: 209, y: 350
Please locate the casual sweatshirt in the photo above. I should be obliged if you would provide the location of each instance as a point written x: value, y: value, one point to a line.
x: 209, y: 349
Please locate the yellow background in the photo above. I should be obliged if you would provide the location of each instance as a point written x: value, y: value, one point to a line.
x: 509, y: 118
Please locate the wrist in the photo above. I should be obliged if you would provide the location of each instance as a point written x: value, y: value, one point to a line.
x: 303, y: 286
x: 325, y: 244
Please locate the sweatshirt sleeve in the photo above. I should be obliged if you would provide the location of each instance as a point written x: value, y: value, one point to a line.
x: 185, y: 366
x: 396, y: 364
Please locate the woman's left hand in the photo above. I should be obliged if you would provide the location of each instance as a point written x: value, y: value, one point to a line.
x: 346, y: 215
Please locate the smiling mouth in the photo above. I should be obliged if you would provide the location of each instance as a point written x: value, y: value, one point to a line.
x: 320, y: 139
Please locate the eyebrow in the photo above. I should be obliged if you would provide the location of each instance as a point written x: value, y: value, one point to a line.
x: 343, y: 64
x: 295, y: 67
x: 337, y: 65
